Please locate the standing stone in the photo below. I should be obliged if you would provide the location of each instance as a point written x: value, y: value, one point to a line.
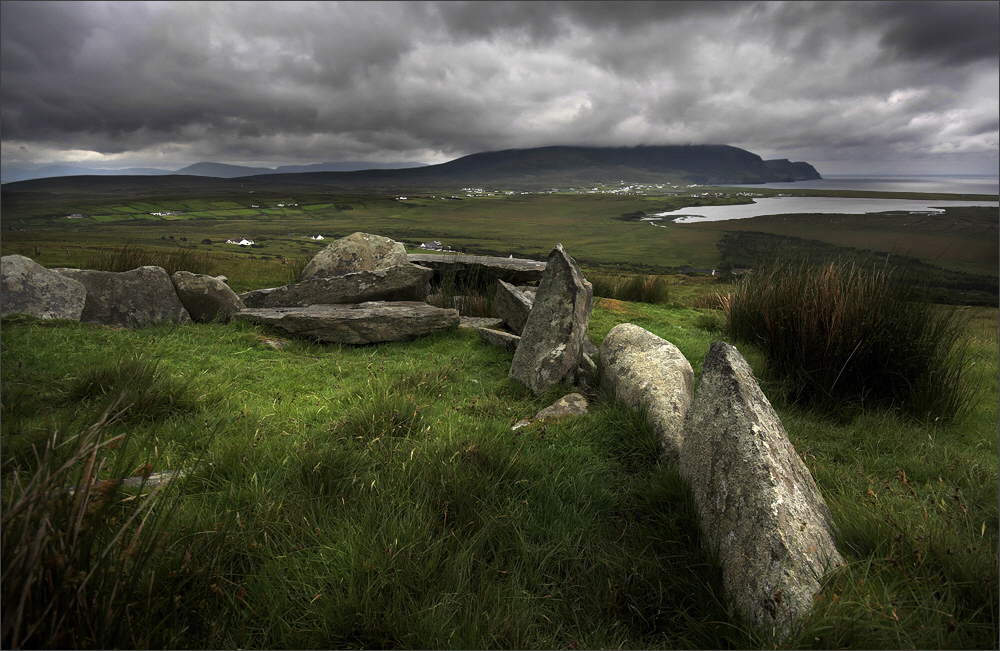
x: 650, y: 375
x: 132, y: 299
x: 512, y: 305
x: 553, y: 336
x: 29, y: 288
x: 206, y: 298
x: 356, y: 252
x: 758, y: 506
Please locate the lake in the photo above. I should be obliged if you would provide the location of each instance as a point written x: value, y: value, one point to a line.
x: 938, y: 183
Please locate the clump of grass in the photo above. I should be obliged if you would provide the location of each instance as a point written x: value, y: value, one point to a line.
x: 146, y: 391
x: 839, y: 336
x: 634, y: 288
x: 128, y: 257
x: 79, y: 566
x: 470, y: 290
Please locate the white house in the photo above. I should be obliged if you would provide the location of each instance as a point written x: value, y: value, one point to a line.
x: 242, y: 241
x: 316, y: 237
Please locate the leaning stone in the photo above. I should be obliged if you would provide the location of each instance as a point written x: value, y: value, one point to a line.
x: 408, y: 282
x: 512, y: 305
x: 29, y: 288
x: 572, y: 404
x: 650, y: 375
x: 500, y: 339
x: 557, y: 326
x: 758, y: 507
x: 365, y: 323
x: 354, y: 253
x: 206, y: 298
x: 132, y: 299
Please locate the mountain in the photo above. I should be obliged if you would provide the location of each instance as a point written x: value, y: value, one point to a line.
x: 345, y: 166
x: 12, y: 174
x: 567, y: 167
x: 537, y: 168
x: 785, y: 170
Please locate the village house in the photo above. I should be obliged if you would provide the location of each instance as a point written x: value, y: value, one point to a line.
x: 242, y: 241
x: 432, y: 246
x: 316, y: 237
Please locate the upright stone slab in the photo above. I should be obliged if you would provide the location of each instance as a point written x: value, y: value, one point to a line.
x: 354, y: 253
x: 408, y: 282
x: 758, y: 506
x: 364, y: 323
x: 132, y: 299
x: 650, y: 375
x: 553, y: 336
x: 29, y: 288
x: 206, y: 298
x: 512, y: 305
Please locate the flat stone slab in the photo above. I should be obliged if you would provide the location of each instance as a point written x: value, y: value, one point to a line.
x: 406, y: 282
x: 480, y: 322
x: 500, y: 339
x: 364, y: 323
x: 512, y: 270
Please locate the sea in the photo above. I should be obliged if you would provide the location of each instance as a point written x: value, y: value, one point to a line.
x: 987, y: 185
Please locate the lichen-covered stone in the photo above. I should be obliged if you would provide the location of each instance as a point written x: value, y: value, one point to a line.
x: 206, y: 298
x: 407, y: 282
x: 650, y: 375
x: 500, y: 339
x: 354, y: 253
x: 573, y: 404
x: 133, y: 299
x: 553, y: 336
x: 758, y: 507
x: 364, y: 323
x: 483, y: 267
x: 29, y: 288
x: 512, y: 305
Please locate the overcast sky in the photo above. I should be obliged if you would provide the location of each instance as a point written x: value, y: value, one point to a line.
x: 880, y: 87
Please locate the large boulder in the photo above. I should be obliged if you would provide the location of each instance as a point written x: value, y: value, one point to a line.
x: 553, y: 336
x: 650, y: 375
x: 758, y: 507
x: 512, y: 305
x: 206, y: 298
x: 407, y: 282
x: 467, y: 268
x: 354, y: 253
x: 365, y: 323
x: 30, y: 288
x: 132, y: 299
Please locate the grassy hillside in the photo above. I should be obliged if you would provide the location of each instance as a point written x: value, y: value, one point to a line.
x: 377, y: 497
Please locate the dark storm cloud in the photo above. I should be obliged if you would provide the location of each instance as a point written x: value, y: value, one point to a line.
x: 171, y: 83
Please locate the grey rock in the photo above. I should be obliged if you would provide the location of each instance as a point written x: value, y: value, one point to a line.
x: 572, y: 404
x: 223, y: 279
x: 407, y: 282
x: 480, y: 322
x: 758, y: 506
x: 500, y: 339
x: 206, y: 298
x: 650, y: 375
x: 133, y: 299
x: 354, y: 253
x: 512, y: 305
x: 365, y: 323
x: 512, y: 270
x: 29, y: 288
x: 553, y: 336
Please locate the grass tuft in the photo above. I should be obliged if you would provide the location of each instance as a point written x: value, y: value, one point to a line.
x: 634, y: 288
x: 128, y: 257
x: 839, y: 336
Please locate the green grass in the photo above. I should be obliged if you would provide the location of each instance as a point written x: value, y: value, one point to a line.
x: 376, y: 497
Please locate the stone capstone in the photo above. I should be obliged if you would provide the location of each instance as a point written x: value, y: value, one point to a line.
x: 364, y: 323
x: 650, y: 375
x: 354, y: 253
x: 407, y: 282
x: 206, y: 298
x: 758, y: 507
x: 512, y: 305
x: 132, y: 299
x: 556, y: 328
x: 512, y: 270
x: 29, y: 288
